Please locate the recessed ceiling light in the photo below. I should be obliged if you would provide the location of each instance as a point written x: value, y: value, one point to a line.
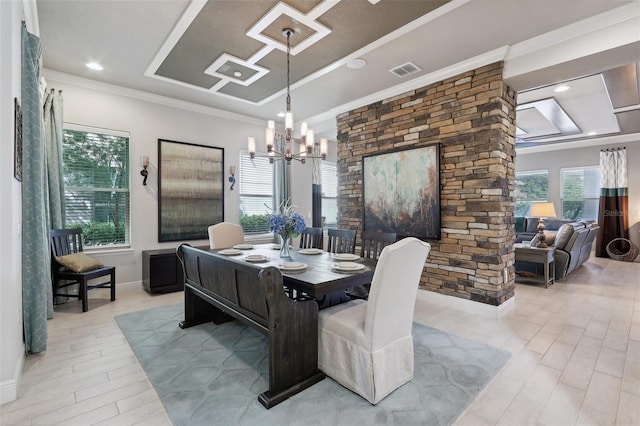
x: 592, y: 133
x: 237, y: 74
x: 95, y: 66
x: 281, y: 114
x: 356, y: 64
x: 562, y: 88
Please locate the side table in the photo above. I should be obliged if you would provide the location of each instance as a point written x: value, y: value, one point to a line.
x: 543, y: 256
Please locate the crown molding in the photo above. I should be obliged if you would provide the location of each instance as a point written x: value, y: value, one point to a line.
x: 587, y: 26
x: 147, y: 97
x: 580, y: 144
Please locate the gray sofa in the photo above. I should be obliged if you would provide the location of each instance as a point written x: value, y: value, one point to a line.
x: 573, y: 242
x: 527, y: 227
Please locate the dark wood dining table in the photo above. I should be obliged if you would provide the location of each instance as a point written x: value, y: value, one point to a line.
x: 318, y: 279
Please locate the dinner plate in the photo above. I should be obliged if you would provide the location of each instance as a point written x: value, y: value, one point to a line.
x: 348, y: 266
x: 230, y: 252
x: 256, y: 258
x: 345, y: 256
x: 293, y: 266
x: 243, y: 246
x: 310, y: 251
x: 275, y: 246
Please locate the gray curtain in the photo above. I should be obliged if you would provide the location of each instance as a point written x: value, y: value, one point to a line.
x: 53, y: 136
x: 53, y: 127
x: 36, y: 275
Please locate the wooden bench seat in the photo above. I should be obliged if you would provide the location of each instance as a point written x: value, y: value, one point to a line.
x: 220, y: 290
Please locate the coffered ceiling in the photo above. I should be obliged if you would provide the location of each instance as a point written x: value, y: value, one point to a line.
x: 229, y: 55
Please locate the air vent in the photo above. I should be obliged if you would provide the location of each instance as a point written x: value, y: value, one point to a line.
x: 406, y: 69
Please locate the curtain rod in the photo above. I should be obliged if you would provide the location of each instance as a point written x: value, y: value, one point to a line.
x: 613, y: 149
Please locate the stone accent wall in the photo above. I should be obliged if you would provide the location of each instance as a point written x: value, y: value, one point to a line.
x: 472, y: 116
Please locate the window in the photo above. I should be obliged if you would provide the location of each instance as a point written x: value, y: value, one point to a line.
x: 580, y: 193
x: 96, y: 184
x: 329, y: 183
x: 256, y: 193
x: 530, y: 186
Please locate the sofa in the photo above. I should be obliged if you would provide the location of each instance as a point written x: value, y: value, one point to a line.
x: 527, y: 227
x: 572, y: 241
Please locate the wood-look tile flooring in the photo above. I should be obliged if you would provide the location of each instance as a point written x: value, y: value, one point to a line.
x: 575, y: 345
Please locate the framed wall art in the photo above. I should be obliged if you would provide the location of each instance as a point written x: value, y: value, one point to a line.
x: 17, y: 140
x: 401, y: 192
x: 190, y: 190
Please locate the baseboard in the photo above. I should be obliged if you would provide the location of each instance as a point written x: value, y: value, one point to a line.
x: 466, y: 305
x: 9, y: 388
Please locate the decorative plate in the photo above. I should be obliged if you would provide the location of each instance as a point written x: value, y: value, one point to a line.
x: 293, y: 266
x: 243, y: 246
x: 230, y: 252
x: 348, y: 266
x: 311, y: 251
x: 256, y: 258
x: 345, y: 256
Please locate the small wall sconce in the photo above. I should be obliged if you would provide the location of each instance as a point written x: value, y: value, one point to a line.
x: 144, y: 172
x: 232, y: 178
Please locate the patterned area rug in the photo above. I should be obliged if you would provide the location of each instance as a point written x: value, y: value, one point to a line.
x: 212, y: 375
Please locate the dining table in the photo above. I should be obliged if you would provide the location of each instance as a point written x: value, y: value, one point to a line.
x: 319, y: 273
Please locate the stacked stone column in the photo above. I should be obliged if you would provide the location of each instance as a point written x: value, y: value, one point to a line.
x: 472, y: 116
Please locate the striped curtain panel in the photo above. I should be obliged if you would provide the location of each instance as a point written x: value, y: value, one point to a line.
x: 613, y: 215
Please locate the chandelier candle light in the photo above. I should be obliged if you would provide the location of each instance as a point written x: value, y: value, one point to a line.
x: 306, y: 141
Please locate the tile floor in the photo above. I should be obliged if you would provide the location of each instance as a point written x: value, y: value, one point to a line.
x: 575, y: 345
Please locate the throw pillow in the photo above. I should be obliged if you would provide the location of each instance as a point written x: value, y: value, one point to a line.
x: 563, y: 235
x: 79, y: 262
x: 549, y: 237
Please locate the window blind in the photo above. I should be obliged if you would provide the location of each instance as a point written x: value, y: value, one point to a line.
x: 530, y: 186
x: 96, y: 184
x: 329, y: 172
x: 580, y: 192
x: 255, y: 186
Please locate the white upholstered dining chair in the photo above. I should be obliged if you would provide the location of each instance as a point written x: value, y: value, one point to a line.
x: 367, y: 346
x: 225, y: 235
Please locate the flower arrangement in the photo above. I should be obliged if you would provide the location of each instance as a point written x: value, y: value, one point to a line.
x: 288, y: 224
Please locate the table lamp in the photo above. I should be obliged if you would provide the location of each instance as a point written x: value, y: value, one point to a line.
x: 542, y: 211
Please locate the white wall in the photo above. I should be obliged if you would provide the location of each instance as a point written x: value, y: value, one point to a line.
x: 12, y: 347
x: 554, y: 160
x: 146, y: 122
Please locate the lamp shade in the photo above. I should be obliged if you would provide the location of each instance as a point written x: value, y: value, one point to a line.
x: 542, y: 210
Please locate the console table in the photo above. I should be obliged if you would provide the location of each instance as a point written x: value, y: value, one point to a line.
x: 162, y: 271
x: 543, y: 256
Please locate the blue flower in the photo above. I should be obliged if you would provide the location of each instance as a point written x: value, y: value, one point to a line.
x: 289, y: 223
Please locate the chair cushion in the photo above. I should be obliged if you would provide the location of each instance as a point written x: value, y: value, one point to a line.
x: 79, y: 262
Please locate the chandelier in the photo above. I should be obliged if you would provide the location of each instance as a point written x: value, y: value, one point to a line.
x: 293, y: 148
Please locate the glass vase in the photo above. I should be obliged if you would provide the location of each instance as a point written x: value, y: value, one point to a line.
x: 285, y: 242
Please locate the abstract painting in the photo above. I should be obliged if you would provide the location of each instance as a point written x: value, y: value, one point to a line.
x: 401, y: 192
x: 191, y: 190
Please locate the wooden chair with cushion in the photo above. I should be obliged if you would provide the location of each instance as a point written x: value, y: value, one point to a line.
x: 371, y: 246
x: 70, y: 266
x: 225, y: 235
x: 367, y: 346
x: 341, y: 240
x: 311, y: 238
x: 373, y: 242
